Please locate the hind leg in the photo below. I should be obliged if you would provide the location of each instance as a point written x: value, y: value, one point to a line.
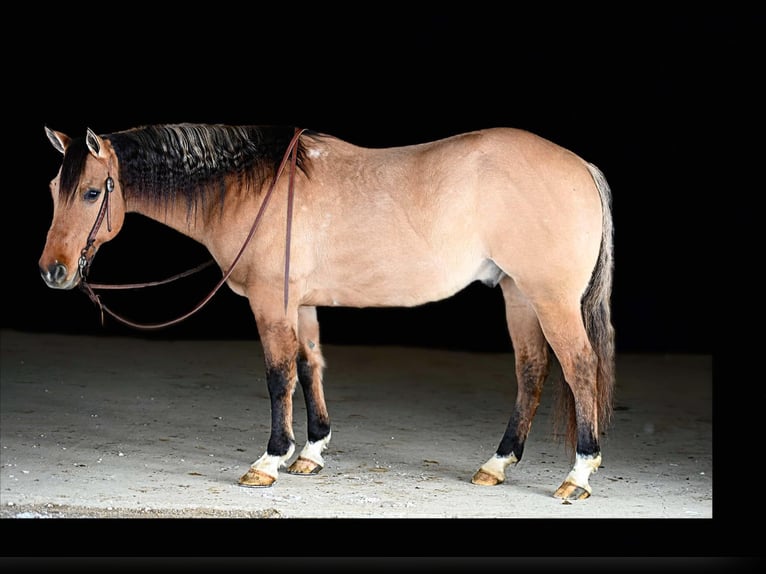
x: 565, y: 331
x: 310, y: 368
x: 532, y: 367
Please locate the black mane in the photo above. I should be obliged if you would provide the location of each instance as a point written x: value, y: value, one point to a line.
x: 163, y: 164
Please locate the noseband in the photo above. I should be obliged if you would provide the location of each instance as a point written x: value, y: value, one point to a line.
x: 84, y: 263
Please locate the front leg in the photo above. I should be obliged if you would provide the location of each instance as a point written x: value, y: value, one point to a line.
x: 280, y: 345
x: 310, y: 367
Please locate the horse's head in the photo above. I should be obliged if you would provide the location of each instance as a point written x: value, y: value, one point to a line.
x: 85, y: 212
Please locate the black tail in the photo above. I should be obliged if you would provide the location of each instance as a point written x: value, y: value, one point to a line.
x: 596, y: 314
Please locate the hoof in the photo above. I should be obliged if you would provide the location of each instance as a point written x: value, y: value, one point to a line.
x: 304, y: 467
x: 484, y: 478
x: 570, y: 491
x: 256, y: 479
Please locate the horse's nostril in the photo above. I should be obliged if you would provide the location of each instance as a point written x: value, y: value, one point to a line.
x: 59, y: 272
x: 56, y: 272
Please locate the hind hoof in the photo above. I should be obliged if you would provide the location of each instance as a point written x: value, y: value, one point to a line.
x: 570, y: 491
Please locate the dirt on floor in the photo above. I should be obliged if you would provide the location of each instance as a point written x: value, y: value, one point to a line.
x: 129, y: 427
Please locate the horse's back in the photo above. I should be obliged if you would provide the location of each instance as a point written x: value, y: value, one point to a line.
x: 436, y: 214
x: 479, y: 166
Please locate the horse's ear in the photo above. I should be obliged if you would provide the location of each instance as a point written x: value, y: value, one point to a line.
x: 60, y: 141
x: 95, y: 144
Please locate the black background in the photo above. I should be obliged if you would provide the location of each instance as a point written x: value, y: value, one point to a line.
x: 632, y: 92
x: 658, y: 98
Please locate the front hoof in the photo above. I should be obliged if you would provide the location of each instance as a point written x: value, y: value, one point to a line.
x: 570, y: 491
x: 304, y: 467
x: 256, y: 479
x: 483, y: 478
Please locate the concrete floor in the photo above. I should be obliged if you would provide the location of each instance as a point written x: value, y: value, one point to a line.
x: 130, y: 427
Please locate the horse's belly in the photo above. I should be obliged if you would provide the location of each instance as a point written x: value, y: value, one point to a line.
x: 402, y: 288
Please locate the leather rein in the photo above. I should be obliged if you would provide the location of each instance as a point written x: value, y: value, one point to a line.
x: 84, y: 263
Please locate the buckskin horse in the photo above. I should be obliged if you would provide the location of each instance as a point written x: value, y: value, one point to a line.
x: 364, y: 227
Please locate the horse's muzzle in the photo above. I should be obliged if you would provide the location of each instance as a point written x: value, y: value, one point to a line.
x: 55, y: 276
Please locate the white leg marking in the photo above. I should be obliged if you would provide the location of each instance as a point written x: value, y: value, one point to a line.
x: 496, y: 465
x: 313, y: 450
x: 270, y: 464
x: 584, y: 466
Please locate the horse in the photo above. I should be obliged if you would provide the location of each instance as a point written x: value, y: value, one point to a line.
x: 361, y: 227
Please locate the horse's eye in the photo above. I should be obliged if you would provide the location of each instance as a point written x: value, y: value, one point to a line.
x: 92, y: 194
